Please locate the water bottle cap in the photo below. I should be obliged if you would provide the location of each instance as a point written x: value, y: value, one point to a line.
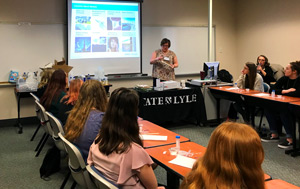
x: 273, y: 90
x: 177, y: 136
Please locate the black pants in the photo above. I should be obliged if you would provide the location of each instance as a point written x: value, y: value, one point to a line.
x: 239, y: 107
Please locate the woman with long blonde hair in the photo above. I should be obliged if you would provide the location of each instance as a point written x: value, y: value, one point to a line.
x: 85, y: 119
x: 45, y: 78
x: 232, y: 160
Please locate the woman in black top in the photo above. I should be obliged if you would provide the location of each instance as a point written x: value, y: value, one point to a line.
x: 288, y: 85
x: 264, y: 69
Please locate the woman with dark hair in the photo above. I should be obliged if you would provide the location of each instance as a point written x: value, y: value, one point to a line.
x: 113, y: 44
x: 264, y: 69
x: 68, y: 101
x: 85, y: 119
x: 164, y: 61
x: 118, y: 150
x: 56, y: 89
x: 288, y: 85
x: 233, y: 159
x: 249, y: 79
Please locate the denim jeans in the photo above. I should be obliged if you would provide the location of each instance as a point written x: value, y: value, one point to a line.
x: 276, y: 119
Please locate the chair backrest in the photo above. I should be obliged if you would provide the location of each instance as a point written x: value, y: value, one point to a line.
x: 44, y: 118
x: 266, y: 87
x: 99, y: 179
x: 77, y: 165
x: 278, y: 71
x: 56, y: 128
x: 39, y: 112
x: 35, y: 97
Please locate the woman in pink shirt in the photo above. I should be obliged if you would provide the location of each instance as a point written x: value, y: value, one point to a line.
x: 118, y: 150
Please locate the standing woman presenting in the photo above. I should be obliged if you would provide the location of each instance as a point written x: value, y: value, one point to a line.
x: 164, y: 61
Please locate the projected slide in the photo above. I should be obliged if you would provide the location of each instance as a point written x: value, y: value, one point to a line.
x: 104, y: 30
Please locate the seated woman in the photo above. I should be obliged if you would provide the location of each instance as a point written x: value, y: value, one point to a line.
x: 288, y: 85
x: 118, y: 151
x: 68, y: 101
x: 249, y: 79
x: 45, y: 78
x: 85, y: 119
x: 56, y: 89
x: 233, y: 159
x: 264, y: 69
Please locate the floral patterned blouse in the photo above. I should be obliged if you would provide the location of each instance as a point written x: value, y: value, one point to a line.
x: 162, y: 68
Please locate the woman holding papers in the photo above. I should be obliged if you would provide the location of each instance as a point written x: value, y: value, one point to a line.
x: 164, y: 61
x: 85, y: 119
x: 232, y: 159
x: 288, y: 85
x: 118, y: 150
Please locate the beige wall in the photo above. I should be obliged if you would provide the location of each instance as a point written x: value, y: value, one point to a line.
x: 154, y: 13
x: 35, y: 11
x: 269, y: 27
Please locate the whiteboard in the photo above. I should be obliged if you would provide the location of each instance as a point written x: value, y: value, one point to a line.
x: 190, y: 45
x: 28, y: 47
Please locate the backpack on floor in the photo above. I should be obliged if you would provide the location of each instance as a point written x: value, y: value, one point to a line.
x: 225, y: 76
x: 51, y: 162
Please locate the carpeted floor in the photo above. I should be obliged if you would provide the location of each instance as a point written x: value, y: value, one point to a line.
x: 19, y: 168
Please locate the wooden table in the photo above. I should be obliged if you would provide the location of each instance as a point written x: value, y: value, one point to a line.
x: 228, y: 93
x: 151, y: 128
x: 294, y: 107
x: 162, y: 156
x: 280, y: 184
x: 20, y: 95
x: 265, y: 100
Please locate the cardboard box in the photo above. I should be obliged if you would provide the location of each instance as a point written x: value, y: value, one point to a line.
x: 62, y: 65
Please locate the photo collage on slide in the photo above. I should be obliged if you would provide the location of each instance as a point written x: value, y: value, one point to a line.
x: 104, y: 31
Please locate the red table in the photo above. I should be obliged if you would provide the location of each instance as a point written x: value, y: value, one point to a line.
x: 162, y: 156
x: 153, y: 129
x: 280, y: 184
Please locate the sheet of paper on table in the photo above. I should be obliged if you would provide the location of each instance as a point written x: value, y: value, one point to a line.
x: 261, y: 94
x: 183, y: 161
x: 154, y: 137
x: 232, y: 88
